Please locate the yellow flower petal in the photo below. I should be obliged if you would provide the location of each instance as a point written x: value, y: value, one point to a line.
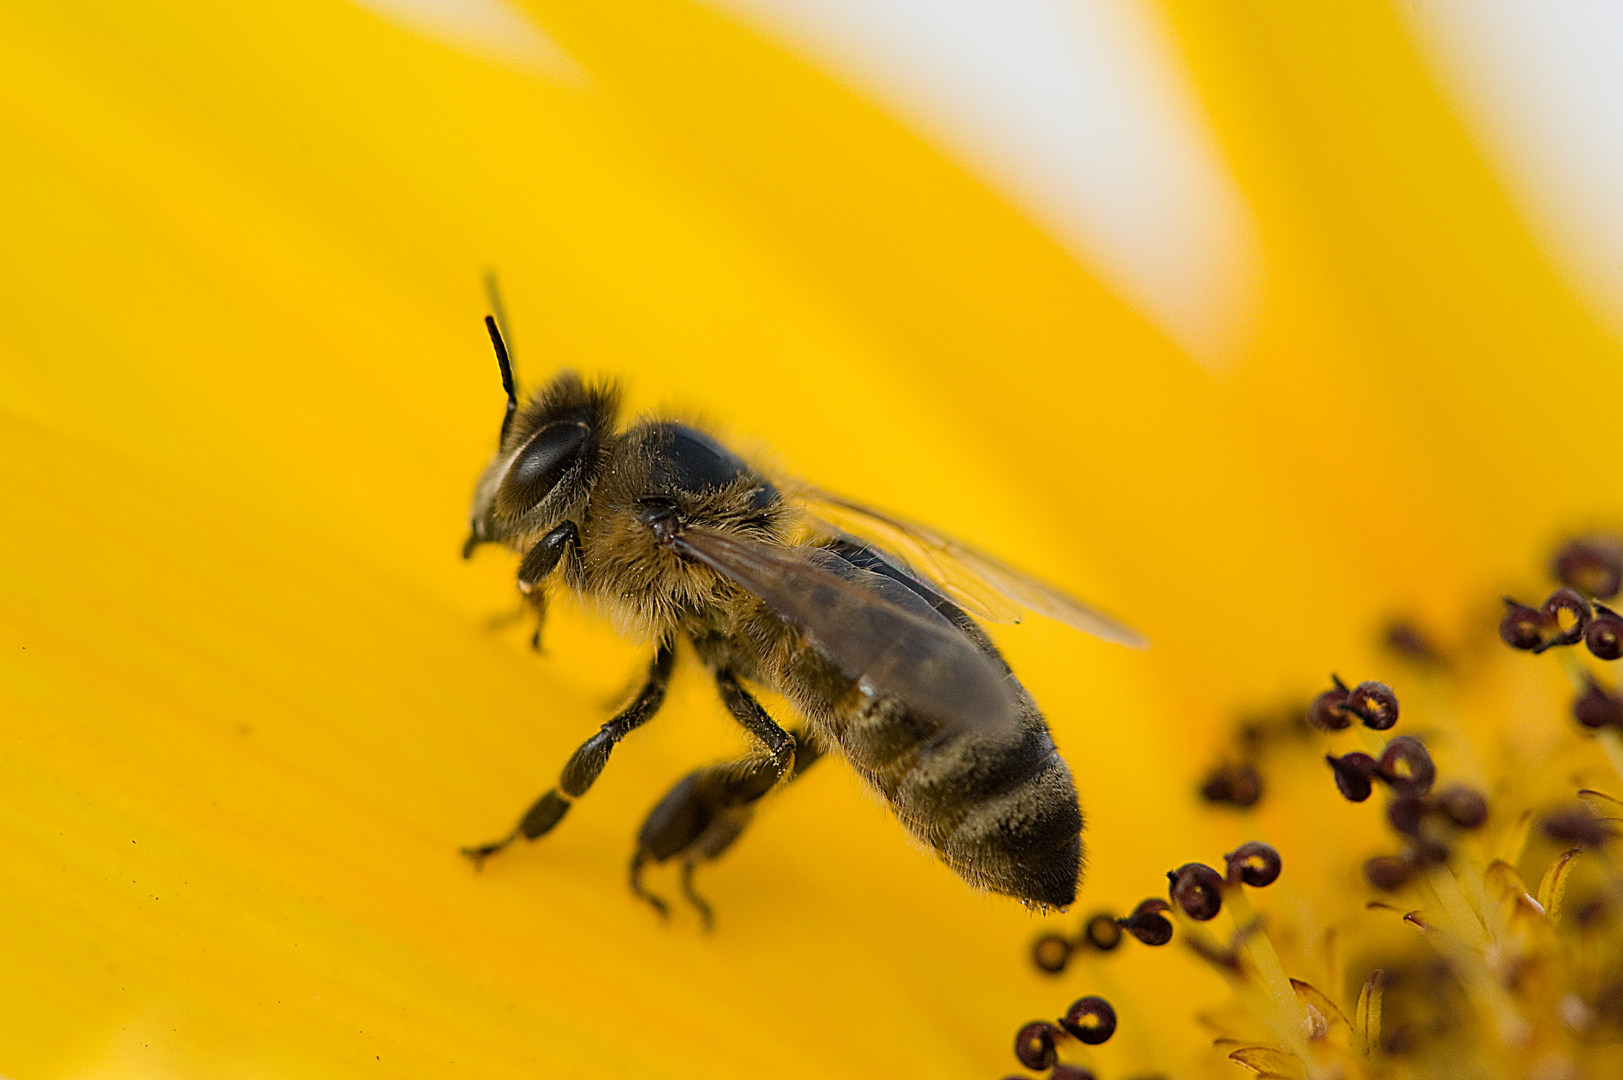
x: 251, y: 699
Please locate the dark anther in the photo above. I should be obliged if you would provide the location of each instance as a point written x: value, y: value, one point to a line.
x: 1329, y: 710
x: 1235, y: 785
x: 1565, y: 607
x: 1375, y: 704
x: 1067, y: 1071
x: 1388, y: 873
x: 1428, y: 851
x: 1354, y: 773
x: 1255, y: 863
x: 1034, y: 1046
x: 1103, y: 932
x: 1464, y: 807
x: 1523, y: 627
x: 1590, y: 913
x: 1593, y: 566
x: 1197, y: 889
x: 1604, y: 635
x: 1090, y: 1019
x: 1407, y: 766
x: 1407, y: 639
x: 1405, y: 813
x: 1051, y: 953
x: 1597, y: 708
x: 1148, y: 923
x: 1576, y: 825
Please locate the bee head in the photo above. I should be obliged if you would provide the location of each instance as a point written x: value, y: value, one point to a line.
x: 547, y: 457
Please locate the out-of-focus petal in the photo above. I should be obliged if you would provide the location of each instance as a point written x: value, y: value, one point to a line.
x: 1082, y: 114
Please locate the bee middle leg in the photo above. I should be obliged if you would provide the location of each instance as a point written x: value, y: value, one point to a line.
x: 584, y: 765
x: 705, y: 812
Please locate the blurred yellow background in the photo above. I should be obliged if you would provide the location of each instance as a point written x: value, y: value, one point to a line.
x: 253, y: 702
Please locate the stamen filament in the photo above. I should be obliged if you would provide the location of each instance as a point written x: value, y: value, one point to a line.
x: 1611, y: 741
x: 1283, y: 1011
x: 1467, y: 958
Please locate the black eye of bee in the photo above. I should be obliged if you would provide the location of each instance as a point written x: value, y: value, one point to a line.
x: 541, y: 464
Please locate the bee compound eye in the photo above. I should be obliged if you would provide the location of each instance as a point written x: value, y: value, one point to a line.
x: 540, y: 464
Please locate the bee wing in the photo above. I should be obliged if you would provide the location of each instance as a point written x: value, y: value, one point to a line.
x: 977, y: 582
x: 918, y: 657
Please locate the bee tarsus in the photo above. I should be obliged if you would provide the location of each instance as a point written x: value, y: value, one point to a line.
x: 586, y: 763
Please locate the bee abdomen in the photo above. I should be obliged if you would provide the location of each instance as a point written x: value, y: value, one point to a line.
x: 1025, y: 842
x: 1001, y: 810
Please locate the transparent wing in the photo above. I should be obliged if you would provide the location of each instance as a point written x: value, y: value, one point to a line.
x: 977, y: 582
x: 915, y: 656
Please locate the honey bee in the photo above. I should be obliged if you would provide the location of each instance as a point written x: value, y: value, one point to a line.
x: 777, y: 584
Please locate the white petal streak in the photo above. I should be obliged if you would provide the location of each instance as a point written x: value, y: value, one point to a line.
x: 1541, y: 83
x: 497, y: 31
x: 1078, y: 111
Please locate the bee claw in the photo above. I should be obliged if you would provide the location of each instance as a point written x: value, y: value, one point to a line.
x: 478, y: 853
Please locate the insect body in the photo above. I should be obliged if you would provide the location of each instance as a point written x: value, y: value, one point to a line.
x: 682, y: 542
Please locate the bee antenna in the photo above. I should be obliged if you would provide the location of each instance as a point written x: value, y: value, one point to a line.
x: 496, y: 323
x: 507, y: 373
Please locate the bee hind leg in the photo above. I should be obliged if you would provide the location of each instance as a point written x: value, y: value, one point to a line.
x: 701, y: 816
x: 700, y: 904
x: 641, y: 893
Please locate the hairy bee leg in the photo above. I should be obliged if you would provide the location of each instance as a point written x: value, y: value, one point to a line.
x: 700, y: 904
x: 755, y: 775
x: 538, y: 563
x: 641, y: 893
x: 701, y: 816
x: 588, y: 760
x: 537, y: 600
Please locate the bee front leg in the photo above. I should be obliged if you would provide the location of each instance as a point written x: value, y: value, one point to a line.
x: 588, y: 760
x: 537, y: 601
x: 539, y: 562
